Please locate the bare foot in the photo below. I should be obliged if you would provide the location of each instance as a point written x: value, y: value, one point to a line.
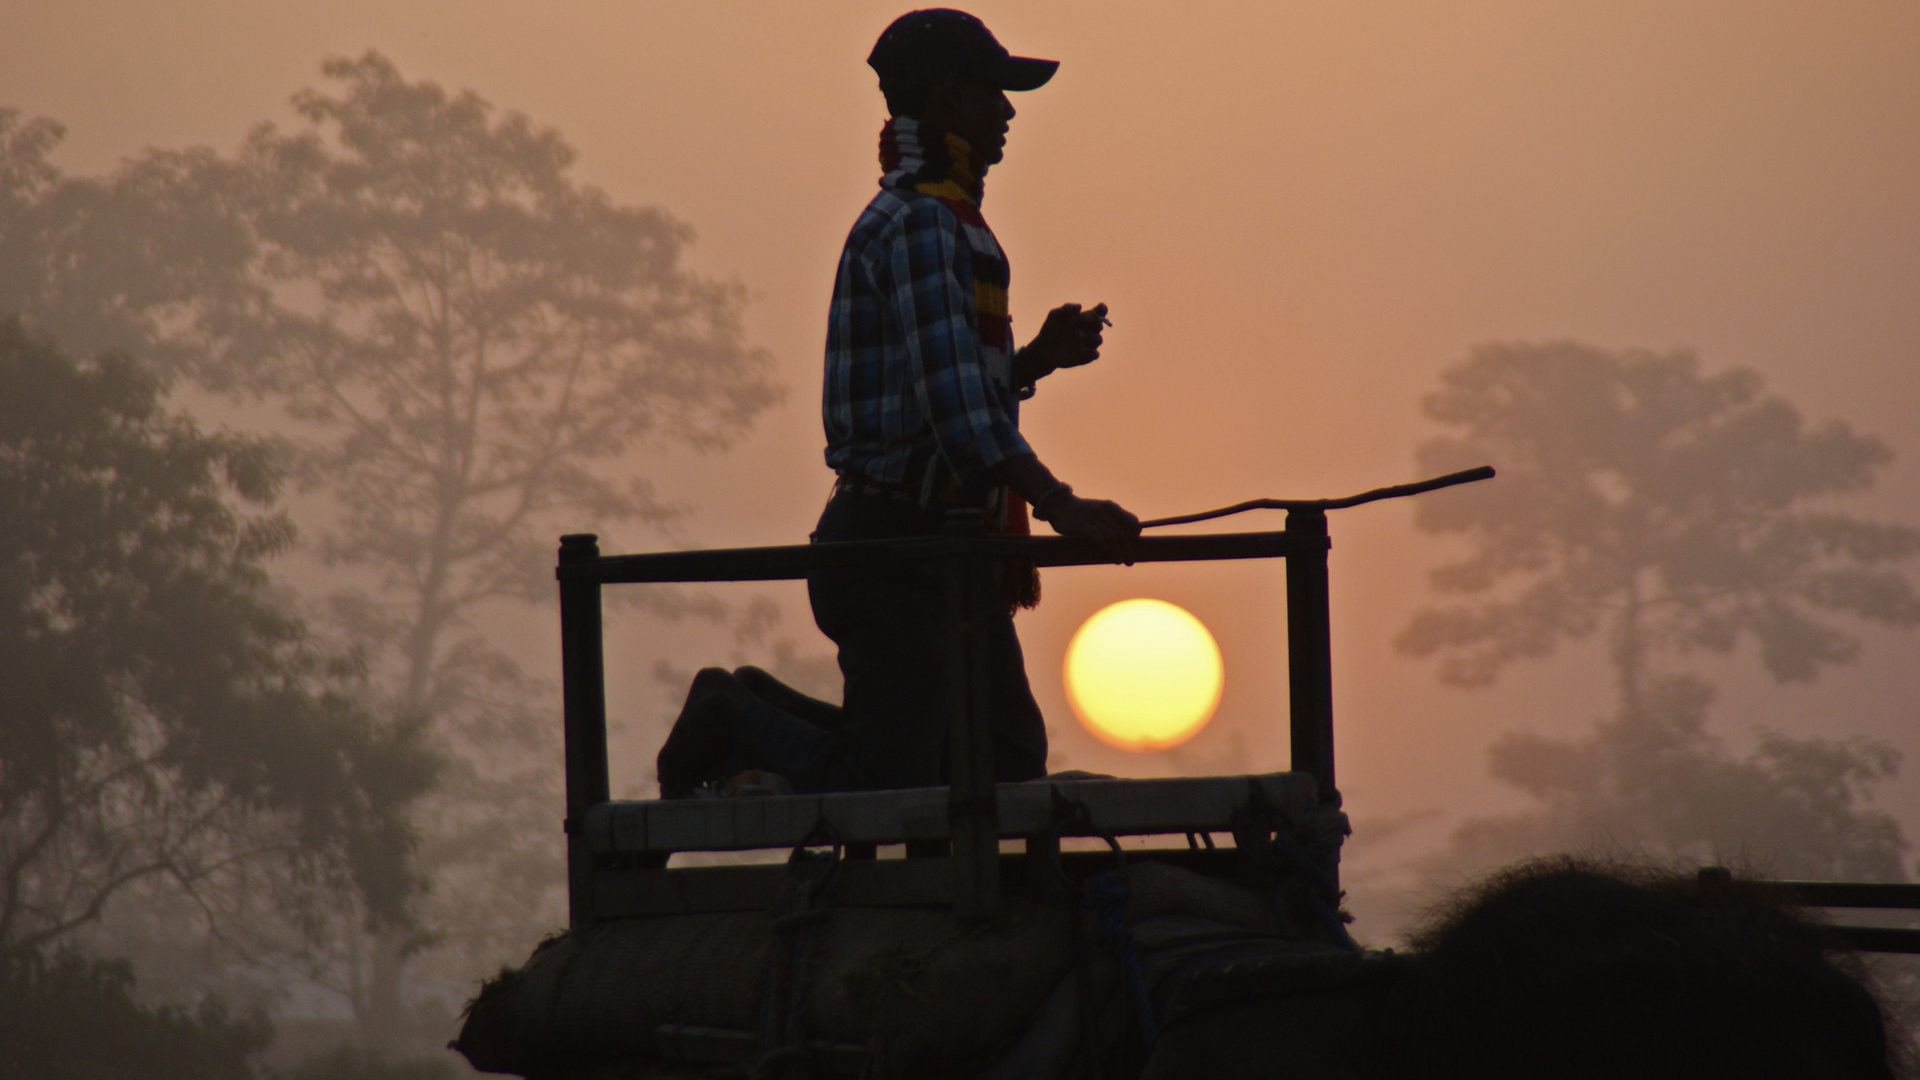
x: 771, y: 690
x: 696, y: 749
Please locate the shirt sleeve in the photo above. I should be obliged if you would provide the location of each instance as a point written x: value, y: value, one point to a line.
x: 933, y: 300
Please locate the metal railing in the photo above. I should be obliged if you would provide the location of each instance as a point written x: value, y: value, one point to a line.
x: 968, y: 555
x: 1849, y: 895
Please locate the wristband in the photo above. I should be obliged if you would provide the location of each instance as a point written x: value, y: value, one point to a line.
x: 1059, y: 486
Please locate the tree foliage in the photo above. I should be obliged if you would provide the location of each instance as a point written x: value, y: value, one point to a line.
x: 1670, y: 513
x: 1659, y: 783
x: 165, y: 717
x: 473, y: 350
x: 149, y: 260
x: 1670, y: 510
x: 71, y: 1018
x: 476, y: 345
x: 491, y: 339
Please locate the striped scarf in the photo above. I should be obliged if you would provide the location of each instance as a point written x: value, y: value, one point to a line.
x: 925, y: 159
x: 922, y: 158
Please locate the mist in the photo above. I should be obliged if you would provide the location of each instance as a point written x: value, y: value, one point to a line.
x: 1301, y: 217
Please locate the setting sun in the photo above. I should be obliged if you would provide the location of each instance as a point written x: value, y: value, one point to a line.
x: 1143, y: 674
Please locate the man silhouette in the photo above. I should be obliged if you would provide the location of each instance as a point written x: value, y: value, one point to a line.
x: 921, y: 405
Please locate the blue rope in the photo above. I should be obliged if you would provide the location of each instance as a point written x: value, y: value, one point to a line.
x: 1312, y: 882
x: 1108, y: 894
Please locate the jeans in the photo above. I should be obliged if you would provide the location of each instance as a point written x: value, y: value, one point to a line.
x: 890, y: 625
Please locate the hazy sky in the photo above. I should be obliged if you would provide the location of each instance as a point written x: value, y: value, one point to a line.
x: 1299, y: 213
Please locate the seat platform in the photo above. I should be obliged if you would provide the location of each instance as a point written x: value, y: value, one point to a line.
x: 1117, y: 807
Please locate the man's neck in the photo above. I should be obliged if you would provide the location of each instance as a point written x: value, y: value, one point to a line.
x: 918, y: 154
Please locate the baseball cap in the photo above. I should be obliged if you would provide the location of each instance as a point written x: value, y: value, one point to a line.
x: 922, y: 46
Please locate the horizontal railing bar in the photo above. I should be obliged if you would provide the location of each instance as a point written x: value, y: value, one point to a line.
x: 1839, y: 894
x: 1880, y: 939
x: 797, y: 560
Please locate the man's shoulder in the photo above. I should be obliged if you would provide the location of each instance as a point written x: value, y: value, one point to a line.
x: 896, y: 210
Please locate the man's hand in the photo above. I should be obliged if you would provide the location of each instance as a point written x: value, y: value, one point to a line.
x: 1069, y: 338
x: 1098, y: 520
x: 1102, y: 521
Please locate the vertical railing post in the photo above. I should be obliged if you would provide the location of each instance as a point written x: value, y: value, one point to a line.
x: 583, y: 688
x: 1309, y: 649
x: 971, y: 807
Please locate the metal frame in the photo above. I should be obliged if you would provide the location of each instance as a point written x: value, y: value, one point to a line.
x: 1851, y: 895
x: 968, y: 555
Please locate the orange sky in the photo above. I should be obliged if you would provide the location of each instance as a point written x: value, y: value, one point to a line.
x: 1298, y: 212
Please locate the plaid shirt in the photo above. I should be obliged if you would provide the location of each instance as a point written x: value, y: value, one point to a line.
x: 909, y: 382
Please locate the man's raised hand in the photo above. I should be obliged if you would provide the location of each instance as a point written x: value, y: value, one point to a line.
x: 1069, y: 338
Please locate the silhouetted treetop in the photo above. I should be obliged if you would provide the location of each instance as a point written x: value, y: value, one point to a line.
x: 1677, y: 510
x: 1674, y: 511
x: 430, y: 228
x: 479, y: 336
x: 149, y: 260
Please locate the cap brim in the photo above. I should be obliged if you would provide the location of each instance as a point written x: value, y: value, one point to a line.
x: 1024, y: 73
